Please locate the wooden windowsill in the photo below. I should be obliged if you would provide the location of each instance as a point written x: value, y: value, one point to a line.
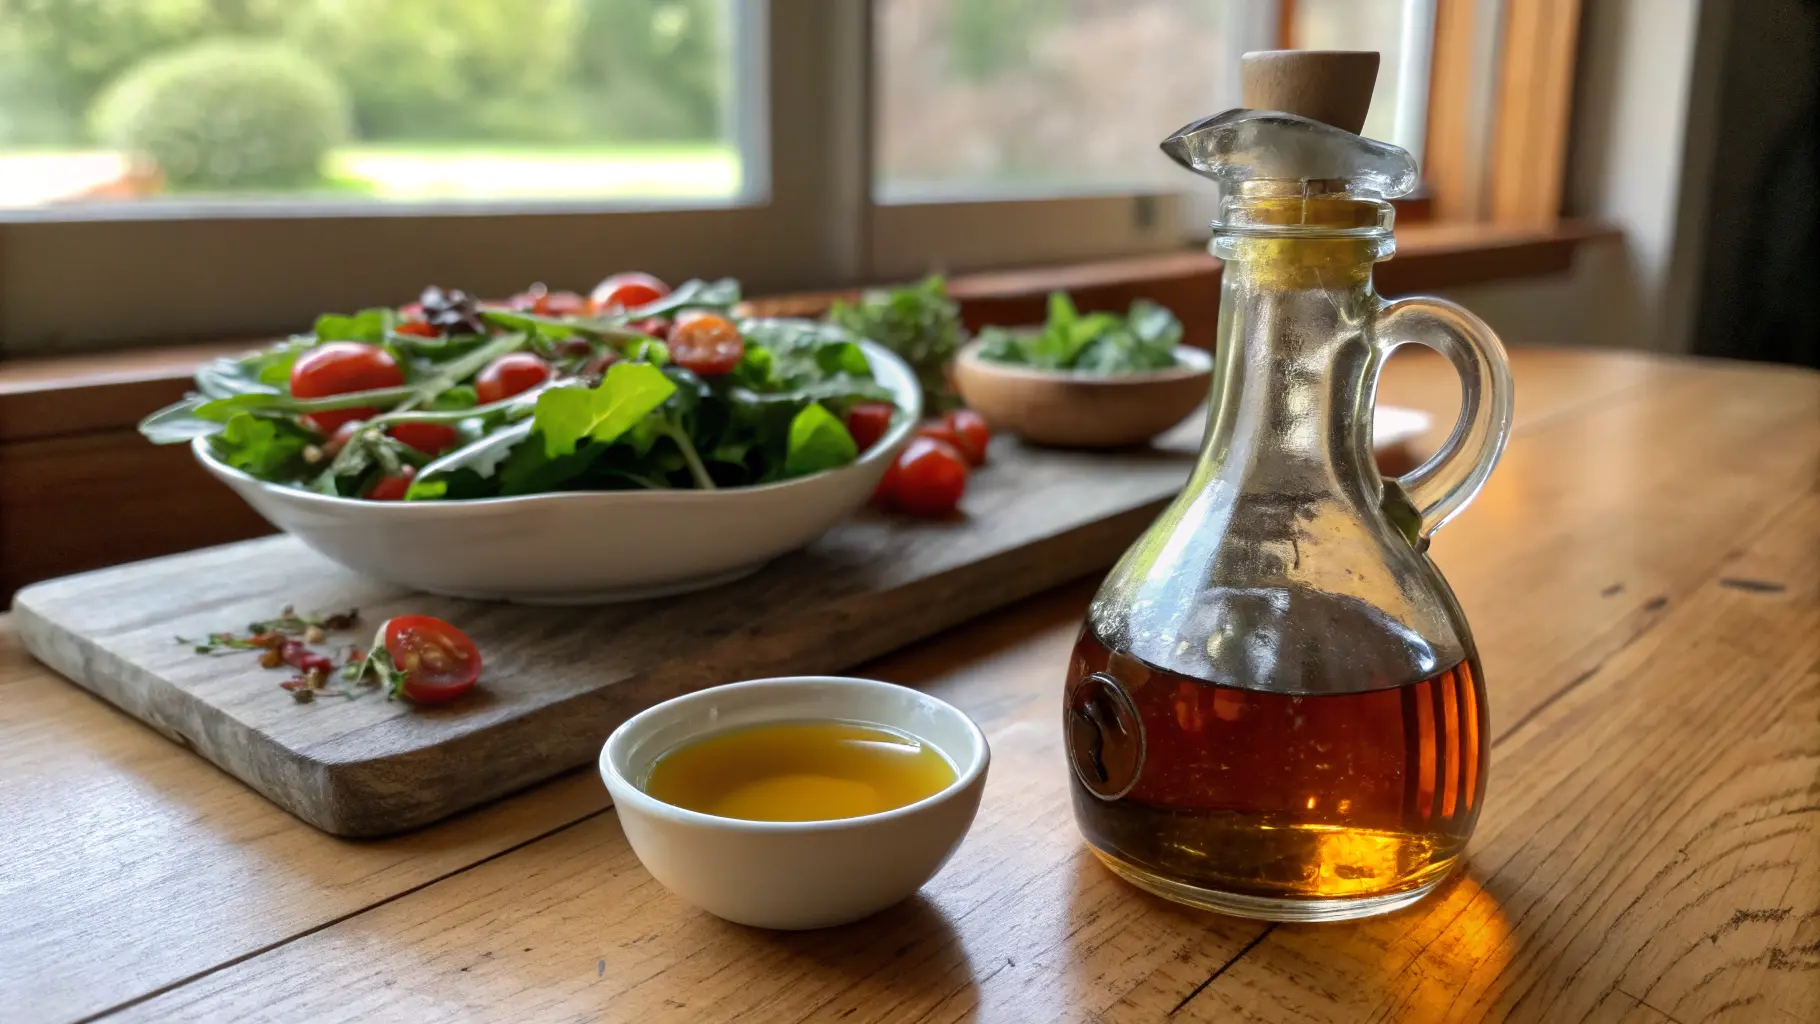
x: 57, y: 396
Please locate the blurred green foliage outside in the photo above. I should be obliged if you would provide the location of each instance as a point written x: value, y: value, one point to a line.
x: 526, y: 71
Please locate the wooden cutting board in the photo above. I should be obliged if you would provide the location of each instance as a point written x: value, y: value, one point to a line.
x: 557, y: 680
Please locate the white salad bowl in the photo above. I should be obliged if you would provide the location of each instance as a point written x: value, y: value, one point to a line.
x: 586, y: 546
x: 795, y: 874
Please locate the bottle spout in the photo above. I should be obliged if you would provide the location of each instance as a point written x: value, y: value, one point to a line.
x: 1238, y: 146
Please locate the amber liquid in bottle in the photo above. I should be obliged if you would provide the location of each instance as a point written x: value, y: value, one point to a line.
x: 1280, y: 797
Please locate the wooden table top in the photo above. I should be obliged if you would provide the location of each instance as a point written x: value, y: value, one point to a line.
x: 1642, y: 576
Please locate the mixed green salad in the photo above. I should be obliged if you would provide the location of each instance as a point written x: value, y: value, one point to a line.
x: 636, y: 386
x: 1101, y: 343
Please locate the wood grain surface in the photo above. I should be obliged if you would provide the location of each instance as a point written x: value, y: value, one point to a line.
x: 1644, y: 578
x: 560, y: 679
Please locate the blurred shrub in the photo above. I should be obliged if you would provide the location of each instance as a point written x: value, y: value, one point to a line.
x: 442, y: 70
x: 226, y: 114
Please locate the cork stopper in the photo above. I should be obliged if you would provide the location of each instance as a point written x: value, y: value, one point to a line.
x: 1330, y: 86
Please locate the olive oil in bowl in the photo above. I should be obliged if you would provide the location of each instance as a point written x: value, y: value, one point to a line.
x: 799, y: 771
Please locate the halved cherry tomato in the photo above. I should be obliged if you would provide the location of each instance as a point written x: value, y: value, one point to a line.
x: 869, y: 421
x: 438, y: 662
x: 508, y: 375
x: 428, y: 438
x: 337, y: 368
x: 656, y: 326
x: 706, y: 343
x: 393, y: 488
x: 927, y: 479
x: 419, y: 329
x: 626, y: 291
x: 971, y: 434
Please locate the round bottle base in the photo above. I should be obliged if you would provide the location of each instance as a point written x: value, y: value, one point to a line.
x: 1265, y: 908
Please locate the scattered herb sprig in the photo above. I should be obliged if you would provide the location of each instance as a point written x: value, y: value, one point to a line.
x: 920, y: 323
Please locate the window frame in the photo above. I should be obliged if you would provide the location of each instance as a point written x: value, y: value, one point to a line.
x: 115, y: 276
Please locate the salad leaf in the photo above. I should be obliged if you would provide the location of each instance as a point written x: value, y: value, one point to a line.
x: 1099, y: 343
x: 180, y: 423
x: 478, y: 461
x: 260, y: 446
x: 567, y: 416
x: 368, y: 325
x: 461, y: 396
x: 264, y: 371
x: 695, y: 293
x: 818, y: 441
x: 800, y: 351
x: 646, y: 422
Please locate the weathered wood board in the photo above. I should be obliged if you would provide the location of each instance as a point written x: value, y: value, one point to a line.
x: 557, y: 680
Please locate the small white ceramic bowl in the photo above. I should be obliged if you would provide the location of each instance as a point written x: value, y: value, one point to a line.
x: 794, y: 874
x: 583, y: 547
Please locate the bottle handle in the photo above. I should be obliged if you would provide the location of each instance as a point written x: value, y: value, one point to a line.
x: 1440, y: 487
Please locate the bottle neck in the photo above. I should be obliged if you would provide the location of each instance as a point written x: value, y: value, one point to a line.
x: 1295, y: 368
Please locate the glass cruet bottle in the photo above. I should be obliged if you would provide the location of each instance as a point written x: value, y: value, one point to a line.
x: 1275, y: 708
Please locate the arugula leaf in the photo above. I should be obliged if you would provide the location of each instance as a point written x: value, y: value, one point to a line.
x: 800, y: 352
x: 368, y: 325
x: 818, y: 441
x: 695, y: 293
x: 567, y: 416
x: 260, y: 446
x: 461, y: 396
x: 453, y: 372
x: 843, y: 389
x: 463, y: 469
x: 179, y: 423
x: 268, y: 370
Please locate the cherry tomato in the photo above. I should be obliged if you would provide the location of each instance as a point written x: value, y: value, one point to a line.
x: 337, y: 368
x: 419, y: 329
x: 626, y: 291
x: 439, y: 663
x: 300, y: 657
x: 706, y: 343
x: 868, y: 421
x: 938, y: 430
x: 927, y: 480
x: 428, y: 438
x: 971, y: 434
x: 560, y: 304
x: 392, y: 488
x: 340, y: 438
x: 508, y: 375
x: 656, y: 326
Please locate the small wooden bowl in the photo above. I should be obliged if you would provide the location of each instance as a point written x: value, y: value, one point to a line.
x: 1082, y: 410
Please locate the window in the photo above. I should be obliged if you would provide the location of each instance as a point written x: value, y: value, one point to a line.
x: 795, y: 144
x: 1402, y: 31
x: 1044, y: 97
x: 400, y: 101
